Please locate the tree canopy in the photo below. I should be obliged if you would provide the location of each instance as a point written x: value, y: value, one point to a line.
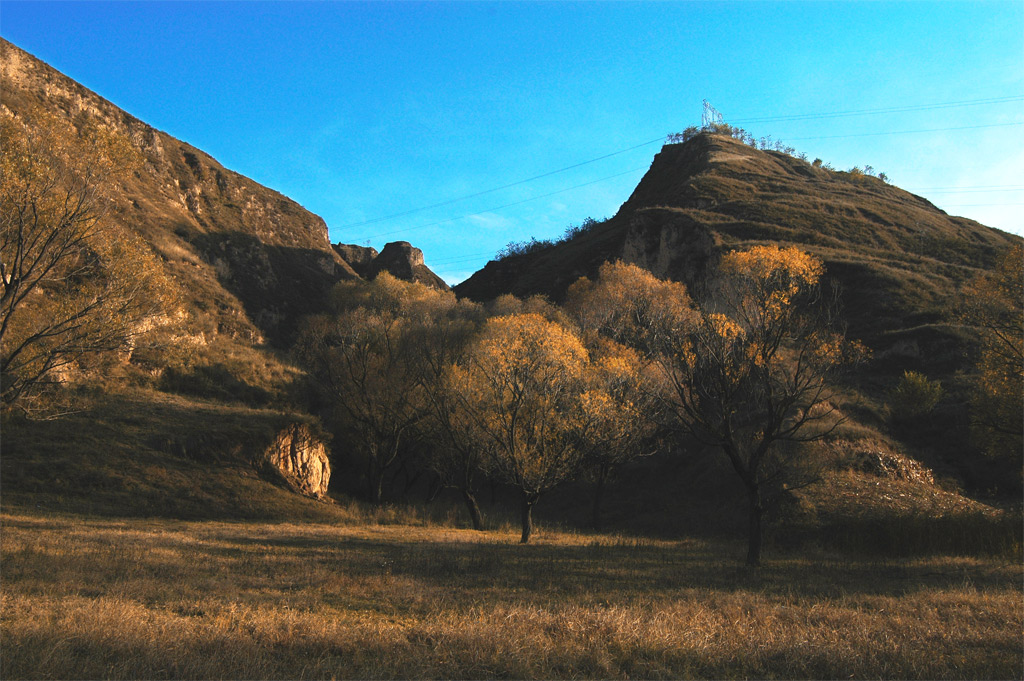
x: 73, y: 284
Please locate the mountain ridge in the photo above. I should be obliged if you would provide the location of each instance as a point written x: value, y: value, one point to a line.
x: 249, y: 260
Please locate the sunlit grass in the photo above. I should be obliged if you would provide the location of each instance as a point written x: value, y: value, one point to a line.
x: 162, y: 599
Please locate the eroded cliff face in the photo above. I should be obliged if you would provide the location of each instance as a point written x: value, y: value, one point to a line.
x: 671, y: 245
x: 248, y: 260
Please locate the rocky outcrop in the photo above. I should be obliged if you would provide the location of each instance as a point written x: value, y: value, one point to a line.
x: 400, y: 259
x: 300, y: 458
x: 359, y: 258
x: 671, y: 245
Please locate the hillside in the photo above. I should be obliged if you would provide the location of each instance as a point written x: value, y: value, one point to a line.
x: 192, y: 414
x: 898, y: 262
x: 246, y: 257
x: 897, y: 257
x: 249, y: 260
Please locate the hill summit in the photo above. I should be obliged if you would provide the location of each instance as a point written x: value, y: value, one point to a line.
x: 897, y: 258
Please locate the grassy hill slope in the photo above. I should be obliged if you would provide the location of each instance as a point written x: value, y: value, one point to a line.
x: 897, y: 257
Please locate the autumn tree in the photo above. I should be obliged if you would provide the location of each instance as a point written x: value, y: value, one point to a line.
x: 748, y: 370
x: 625, y: 315
x: 994, y: 305
x: 619, y: 414
x: 73, y: 283
x: 521, y: 391
x: 456, y: 451
x: 363, y: 359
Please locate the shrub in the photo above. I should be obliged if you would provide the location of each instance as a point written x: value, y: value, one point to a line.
x: 573, y: 231
x: 915, y: 395
x: 515, y: 248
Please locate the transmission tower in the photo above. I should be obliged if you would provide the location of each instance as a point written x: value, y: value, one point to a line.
x: 711, y: 116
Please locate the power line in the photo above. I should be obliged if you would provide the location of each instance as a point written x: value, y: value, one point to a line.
x: 971, y: 191
x: 459, y: 258
x: 979, y: 187
x: 504, y: 186
x: 507, y: 205
x: 905, y: 132
x: 973, y: 205
x: 921, y: 107
x: 893, y: 109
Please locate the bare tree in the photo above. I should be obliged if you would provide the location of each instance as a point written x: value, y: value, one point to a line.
x: 72, y: 284
x: 752, y: 372
x: 456, y: 453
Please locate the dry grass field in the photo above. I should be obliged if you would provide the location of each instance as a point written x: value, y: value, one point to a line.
x: 387, y: 595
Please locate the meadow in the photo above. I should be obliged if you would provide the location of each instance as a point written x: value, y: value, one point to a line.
x: 400, y: 594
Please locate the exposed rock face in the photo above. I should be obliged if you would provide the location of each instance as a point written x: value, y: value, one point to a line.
x: 671, y: 246
x: 358, y: 258
x: 301, y: 459
x: 400, y: 259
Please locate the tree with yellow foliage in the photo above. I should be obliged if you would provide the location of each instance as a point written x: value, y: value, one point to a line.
x: 73, y: 284
x: 522, y: 394
x: 621, y: 414
x: 994, y: 305
x: 629, y: 305
x: 625, y: 315
x: 752, y: 371
x: 364, y: 360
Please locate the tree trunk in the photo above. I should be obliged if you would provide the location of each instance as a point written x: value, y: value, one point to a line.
x: 595, y: 515
x: 528, y: 501
x: 410, y: 481
x: 435, y: 488
x: 474, y: 509
x: 375, y: 478
x: 756, y: 531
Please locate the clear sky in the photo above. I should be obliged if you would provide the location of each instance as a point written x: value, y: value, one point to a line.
x: 361, y: 111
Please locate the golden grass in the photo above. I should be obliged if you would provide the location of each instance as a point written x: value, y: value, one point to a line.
x: 173, y: 599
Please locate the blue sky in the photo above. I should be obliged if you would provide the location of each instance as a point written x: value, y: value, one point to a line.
x: 360, y: 111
